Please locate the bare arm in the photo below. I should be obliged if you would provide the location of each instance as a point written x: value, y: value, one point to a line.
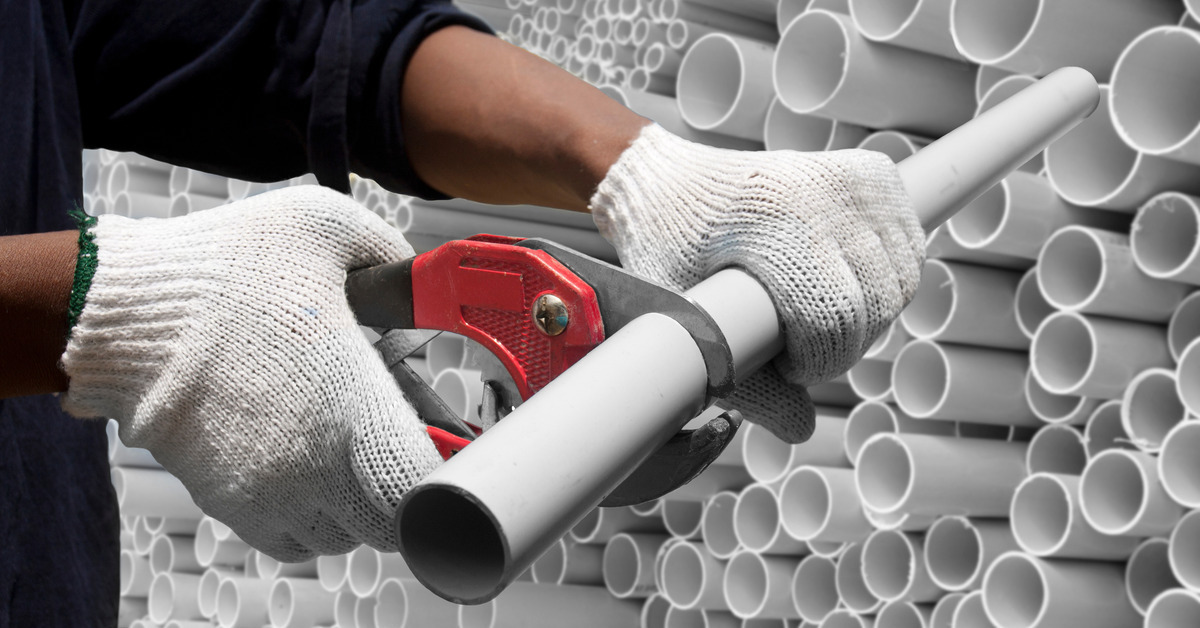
x: 36, y: 272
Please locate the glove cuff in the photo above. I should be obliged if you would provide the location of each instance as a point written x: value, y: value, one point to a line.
x: 85, y: 267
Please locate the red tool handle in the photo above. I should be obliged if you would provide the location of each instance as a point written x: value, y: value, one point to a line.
x: 485, y: 288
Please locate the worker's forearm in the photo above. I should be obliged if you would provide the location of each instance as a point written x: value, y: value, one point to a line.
x: 36, y: 273
x: 488, y: 121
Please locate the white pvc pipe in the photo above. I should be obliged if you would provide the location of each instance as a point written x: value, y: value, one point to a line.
x: 1092, y: 166
x: 210, y: 582
x: 847, y: 619
x: 141, y: 205
x: 1184, y: 550
x: 270, y: 569
x: 195, y: 182
x: 152, y: 492
x: 970, y: 613
x: 699, y: 21
x: 757, y: 525
x: 1057, y: 409
x: 1177, y: 608
x: 1151, y: 407
x: 901, y: 614
x: 917, y: 24
x: 1094, y: 356
x: 1001, y: 91
x: 1030, y: 306
x: 851, y: 588
x: 344, y: 602
x: 171, y: 525
x: 682, y: 518
x: 759, y: 587
x: 332, y: 571
x: 1104, y: 430
x: 1037, y: 36
x: 1165, y: 238
x: 814, y: 588
x: 724, y: 85
x: 1057, y: 449
x: 655, y: 611
x: 177, y: 554
x: 1022, y: 591
x: 602, y: 524
x: 871, y: 380
x: 143, y: 538
x: 1019, y: 214
x: 1092, y: 270
x: 139, y: 175
x: 716, y: 528
x: 628, y: 565
x: 921, y: 474
x: 1148, y: 574
x: 903, y: 521
x: 893, y: 565
x: 820, y: 504
x: 935, y: 381
x: 824, y: 66
x: 369, y: 567
x: 887, y: 346
x: 404, y: 603
x: 1184, y: 326
x: 966, y: 304
x: 958, y: 550
x: 941, y: 244
x: 872, y: 417
x: 943, y: 611
x: 243, y: 602
x: 786, y: 129
x: 462, y: 390
x: 699, y: 618
x: 896, y: 145
x: 1187, y: 375
x: 1119, y: 493
x: 570, y: 562
x: 209, y: 550
x: 364, y: 612
x: 1179, y: 466
x: 693, y: 578
x: 136, y: 575
x: 769, y: 459
x: 1156, y: 111
x: 446, y: 351
x: 173, y: 596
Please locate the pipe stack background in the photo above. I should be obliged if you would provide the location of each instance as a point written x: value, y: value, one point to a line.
x: 1021, y: 450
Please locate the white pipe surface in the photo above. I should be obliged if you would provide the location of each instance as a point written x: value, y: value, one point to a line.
x: 1094, y: 356
x: 966, y: 304
x: 693, y: 578
x: 758, y: 586
x: 602, y: 524
x: 1093, y: 167
x: 270, y: 569
x: 570, y: 562
x: 814, y: 588
x: 1104, y: 430
x: 173, y: 596
x: 724, y: 85
x: 1082, y: 269
x: 364, y: 612
x: 893, y: 565
x: 1187, y: 376
x: 196, y: 182
x: 978, y: 385
x: 898, y: 520
x: 462, y: 390
x: 757, y: 524
x: 1000, y: 91
x: 851, y: 588
x: 921, y: 474
x: 628, y: 565
x: 970, y: 613
x: 716, y: 528
x: 872, y: 417
x: 1155, y: 110
x: 210, y: 582
x: 1056, y: 449
x: 1047, y: 521
x: 1165, y: 238
x: 682, y: 518
x: 871, y: 380
x: 243, y: 602
x: 901, y: 614
x: 1148, y: 574
x: 446, y: 351
x: 706, y: 20
x: 153, y: 493
x: 344, y: 602
x: 1022, y: 591
x: 941, y: 244
x: 699, y: 618
x: 332, y: 571
x: 786, y: 129
x: 1151, y: 407
x: 1184, y: 550
x: 769, y: 459
x: 958, y: 550
x: 1177, y: 608
x: 209, y: 550
x: 1030, y: 306
x: 943, y: 611
x: 842, y: 618
x: 655, y: 611
x: 1178, y: 464
x: 1120, y: 494
x: 176, y: 554
x: 821, y: 504
x: 304, y: 603
x: 367, y: 568
x: 1057, y: 409
x: 824, y: 66
x: 136, y: 575
x: 896, y: 145
x: 887, y: 346
x: 1037, y: 36
x: 918, y: 24
x: 404, y: 603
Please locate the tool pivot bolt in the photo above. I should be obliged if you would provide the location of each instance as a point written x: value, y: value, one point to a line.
x: 550, y: 315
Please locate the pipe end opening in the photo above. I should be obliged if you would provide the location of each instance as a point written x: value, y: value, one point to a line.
x: 452, y: 544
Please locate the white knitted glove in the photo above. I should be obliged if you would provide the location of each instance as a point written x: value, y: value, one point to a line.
x: 223, y: 343
x: 832, y: 236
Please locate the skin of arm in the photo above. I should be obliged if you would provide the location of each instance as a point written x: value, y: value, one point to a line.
x: 484, y: 120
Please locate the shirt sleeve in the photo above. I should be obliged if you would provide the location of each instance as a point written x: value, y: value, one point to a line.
x: 261, y: 90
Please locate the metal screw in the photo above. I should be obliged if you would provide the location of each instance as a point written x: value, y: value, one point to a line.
x: 550, y: 315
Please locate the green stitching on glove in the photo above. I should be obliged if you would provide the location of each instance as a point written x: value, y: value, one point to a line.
x: 85, y: 267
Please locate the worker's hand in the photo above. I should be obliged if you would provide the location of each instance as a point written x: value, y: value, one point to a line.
x: 223, y: 343
x: 832, y: 236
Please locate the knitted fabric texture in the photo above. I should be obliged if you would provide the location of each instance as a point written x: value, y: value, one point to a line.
x: 223, y: 343
x: 832, y: 236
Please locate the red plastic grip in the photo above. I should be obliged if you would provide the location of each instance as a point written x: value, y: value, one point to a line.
x: 484, y: 288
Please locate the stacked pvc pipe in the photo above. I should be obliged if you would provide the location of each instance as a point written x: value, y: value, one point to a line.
x: 1020, y: 450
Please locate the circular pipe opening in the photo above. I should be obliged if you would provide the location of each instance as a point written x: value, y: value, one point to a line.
x: 364, y: 568
x: 1041, y: 515
x: 1014, y: 592
x: 1165, y: 237
x: 871, y: 379
x: 1179, y: 466
x: 930, y: 310
x: 900, y: 614
x: 814, y: 588
x: 332, y: 571
x: 1090, y: 163
x: 717, y: 526
x: 756, y: 518
x: 282, y: 603
x: 920, y: 379
x: 884, y: 473
x: 1156, y: 89
x: 888, y: 564
x: 551, y: 566
x: 746, y: 584
x: 953, y: 553
x: 229, y: 603
x: 805, y: 503
x: 481, y: 616
x: 883, y: 19
x: 767, y: 457
x: 1151, y: 408
x: 1048, y: 406
x: 1070, y: 269
x: 787, y: 130
x: 1063, y: 353
x: 1148, y: 574
x: 817, y: 48
x: 710, y: 81
x: 1184, y: 550
x: 943, y: 612
x: 896, y: 146
x: 622, y: 564
x: 452, y: 543
x: 1056, y: 449
x: 1112, y: 492
x: 683, y: 575
x: 985, y: 31
x: 1174, y: 609
x: 682, y: 518
x: 1031, y: 306
x: 1104, y: 430
x: 1187, y: 373
x: 161, y: 598
x: 851, y: 587
x: 866, y: 420
x: 1184, y: 326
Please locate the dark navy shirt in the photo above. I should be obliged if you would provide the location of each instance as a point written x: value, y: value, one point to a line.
x: 255, y: 89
